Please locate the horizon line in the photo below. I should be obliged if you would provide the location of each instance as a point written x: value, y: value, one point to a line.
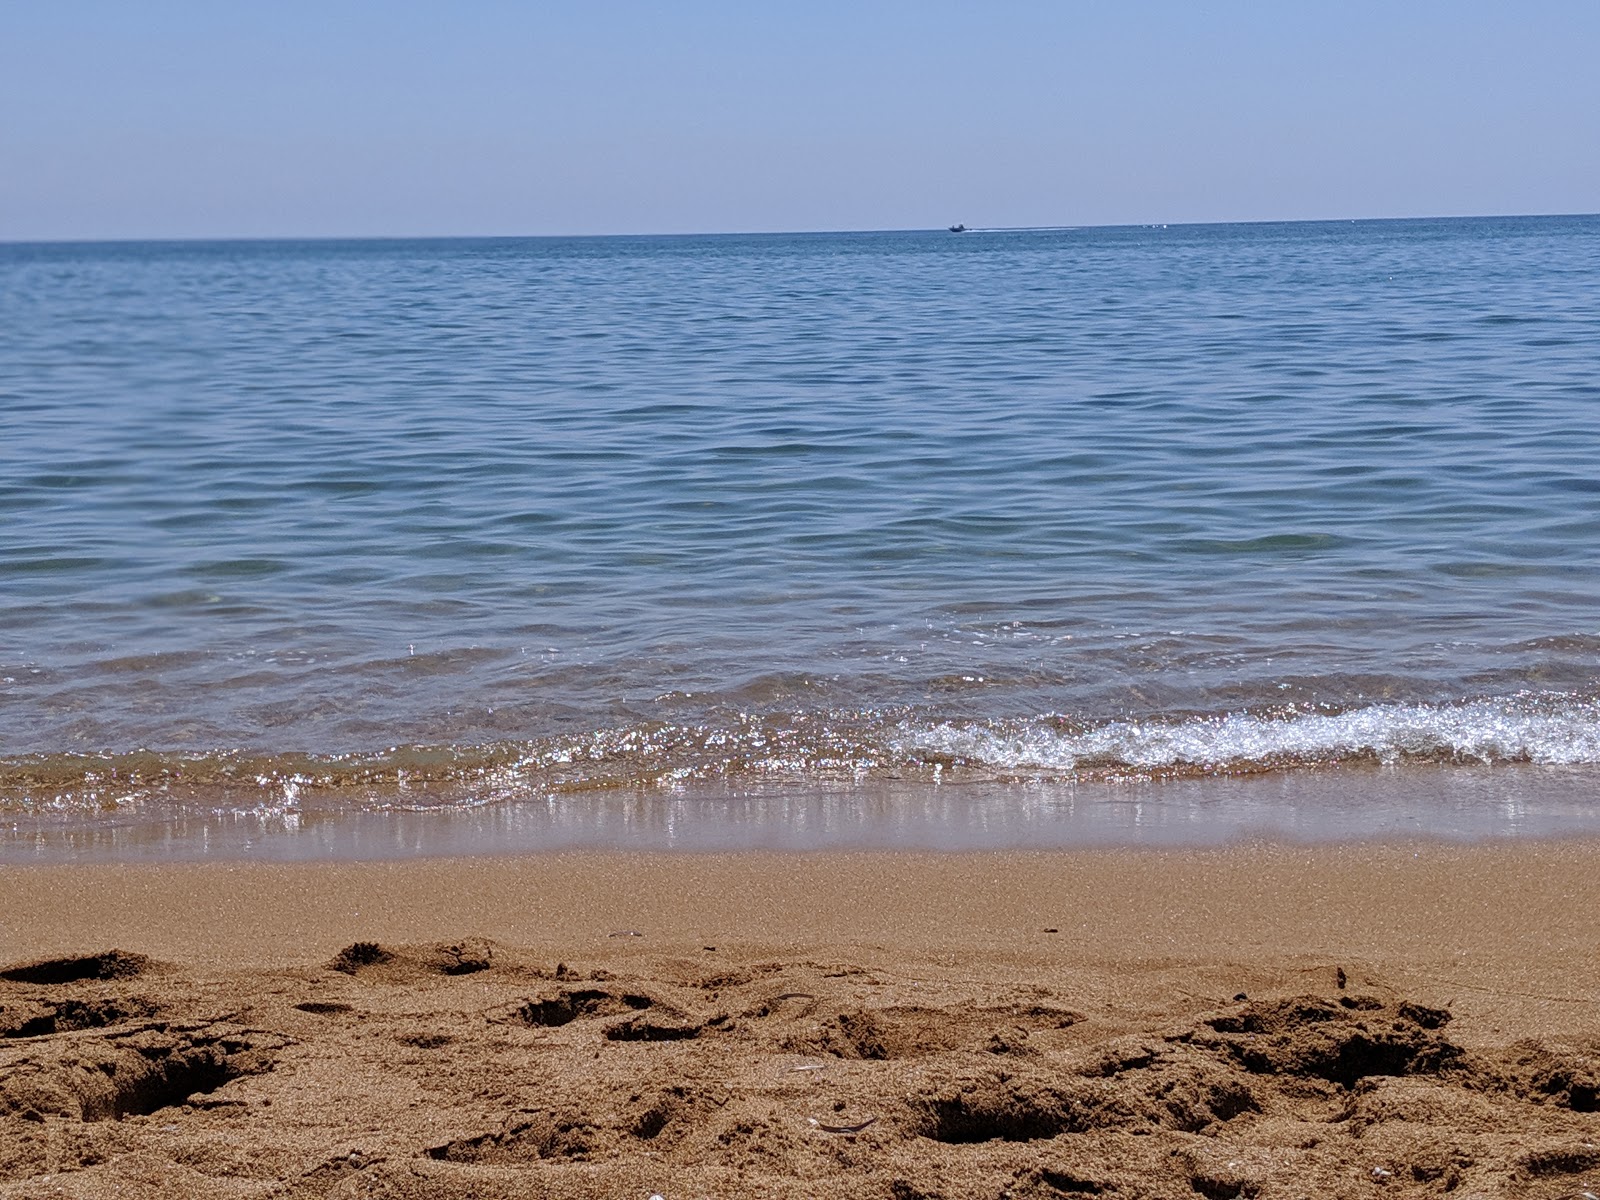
x: 484, y: 237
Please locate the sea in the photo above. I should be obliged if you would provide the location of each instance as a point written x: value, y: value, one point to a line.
x: 1154, y: 535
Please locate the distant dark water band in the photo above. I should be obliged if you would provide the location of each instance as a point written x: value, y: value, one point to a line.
x: 821, y: 747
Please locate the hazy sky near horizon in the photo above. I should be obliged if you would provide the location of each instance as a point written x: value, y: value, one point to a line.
x: 177, y: 118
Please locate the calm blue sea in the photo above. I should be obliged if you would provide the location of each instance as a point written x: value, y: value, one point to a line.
x: 776, y: 530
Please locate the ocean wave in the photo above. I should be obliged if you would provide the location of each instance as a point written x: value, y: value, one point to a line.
x: 1484, y: 732
x: 820, y: 747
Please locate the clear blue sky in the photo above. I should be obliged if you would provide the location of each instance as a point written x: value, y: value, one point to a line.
x: 211, y: 118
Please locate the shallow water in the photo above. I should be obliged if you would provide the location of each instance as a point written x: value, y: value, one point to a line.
x: 1341, y: 805
x: 374, y: 527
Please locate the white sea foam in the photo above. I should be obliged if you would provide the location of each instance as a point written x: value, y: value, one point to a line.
x: 1484, y: 732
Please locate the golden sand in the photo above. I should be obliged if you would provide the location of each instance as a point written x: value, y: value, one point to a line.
x: 1261, y: 1021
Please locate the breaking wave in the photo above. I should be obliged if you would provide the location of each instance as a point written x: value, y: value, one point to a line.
x: 818, y: 747
x: 1484, y: 733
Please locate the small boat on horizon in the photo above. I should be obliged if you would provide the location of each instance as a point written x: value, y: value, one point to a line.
x: 958, y: 229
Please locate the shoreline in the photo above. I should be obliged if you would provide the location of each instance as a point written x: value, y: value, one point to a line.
x: 1260, y: 1020
x: 1324, y: 807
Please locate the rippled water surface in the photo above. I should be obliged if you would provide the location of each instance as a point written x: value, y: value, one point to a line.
x: 384, y: 525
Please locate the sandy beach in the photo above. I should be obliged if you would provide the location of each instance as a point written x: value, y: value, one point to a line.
x: 1261, y: 1021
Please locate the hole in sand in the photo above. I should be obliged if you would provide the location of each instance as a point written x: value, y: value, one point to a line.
x: 174, y: 1079
x: 324, y: 1008
x: 646, y: 1029
x: 113, y: 964
x: 1069, y: 1184
x: 1308, y: 1036
x: 1217, y: 1187
x: 580, y: 1002
x: 359, y: 954
x: 64, y: 1016
x: 1002, y: 1108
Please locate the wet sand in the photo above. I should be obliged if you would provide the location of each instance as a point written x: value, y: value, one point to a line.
x: 1269, y: 1020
